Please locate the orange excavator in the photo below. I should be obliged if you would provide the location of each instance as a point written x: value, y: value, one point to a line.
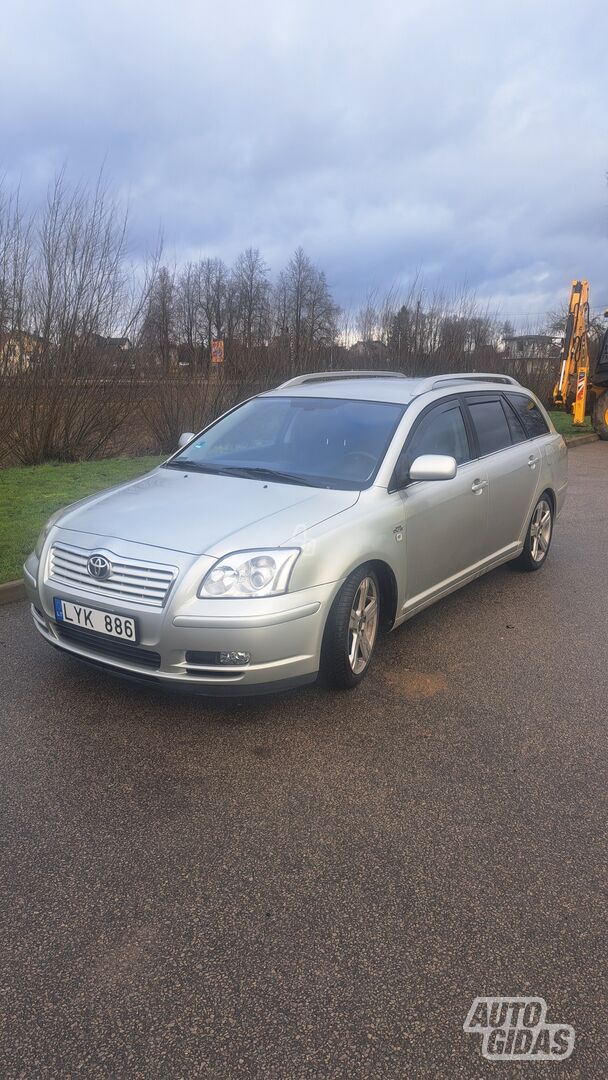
x: 579, y: 389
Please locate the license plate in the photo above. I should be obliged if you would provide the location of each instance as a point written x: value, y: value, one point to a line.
x: 101, y: 622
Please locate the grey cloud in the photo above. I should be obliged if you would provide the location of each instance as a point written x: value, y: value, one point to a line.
x: 464, y: 140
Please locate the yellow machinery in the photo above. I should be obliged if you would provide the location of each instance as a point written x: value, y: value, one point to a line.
x: 577, y: 388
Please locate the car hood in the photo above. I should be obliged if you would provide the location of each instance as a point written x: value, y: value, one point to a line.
x: 203, y: 514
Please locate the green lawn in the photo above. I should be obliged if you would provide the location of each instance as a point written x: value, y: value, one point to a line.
x: 563, y: 424
x: 28, y: 496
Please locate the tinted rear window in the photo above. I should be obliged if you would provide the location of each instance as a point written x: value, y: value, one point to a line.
x: 529, y: 414
x: 491, y: 425
x: 517, y: 429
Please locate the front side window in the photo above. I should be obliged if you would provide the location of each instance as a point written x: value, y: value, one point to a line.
x: 490, y: 425
x: 529, y: 414
x: 440, y: 431
x: 321, y: 442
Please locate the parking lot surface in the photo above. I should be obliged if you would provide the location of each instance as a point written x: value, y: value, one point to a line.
x: 317, y: 885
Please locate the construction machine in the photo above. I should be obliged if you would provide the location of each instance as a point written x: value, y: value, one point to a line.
x: 579, y: 389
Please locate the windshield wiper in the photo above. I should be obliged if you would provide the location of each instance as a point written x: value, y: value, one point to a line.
x: 193, y: 466
x: 255, y: 472
x: 248, y: 472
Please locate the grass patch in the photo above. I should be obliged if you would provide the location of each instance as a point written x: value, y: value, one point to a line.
x: 28, y: 496
x: 562, y: 422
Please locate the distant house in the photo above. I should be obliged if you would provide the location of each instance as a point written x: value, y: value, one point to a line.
x: 17, y: 349
x: 532, y: 347
x: 110, y: 343
x: 371, y: 349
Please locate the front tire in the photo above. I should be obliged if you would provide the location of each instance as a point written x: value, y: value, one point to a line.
x: 538, y: 536
x: 352, y: 630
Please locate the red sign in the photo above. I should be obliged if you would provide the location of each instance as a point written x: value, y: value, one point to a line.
x: 217, y: 351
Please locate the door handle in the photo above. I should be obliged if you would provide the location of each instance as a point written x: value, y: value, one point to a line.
x: 533, y: 461
x: 478, y: 485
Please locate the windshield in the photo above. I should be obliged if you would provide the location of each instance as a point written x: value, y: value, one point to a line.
x: 323, y: 442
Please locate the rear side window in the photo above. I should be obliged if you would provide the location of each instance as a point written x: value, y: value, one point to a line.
x: 529, y: 414
x: 490, y: 424
x: 517, y: 429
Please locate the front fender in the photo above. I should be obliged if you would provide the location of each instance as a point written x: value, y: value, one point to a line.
x: 372, y: 530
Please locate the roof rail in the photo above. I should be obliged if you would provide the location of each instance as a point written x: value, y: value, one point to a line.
x: 321, y: 376
x: 435, y: 382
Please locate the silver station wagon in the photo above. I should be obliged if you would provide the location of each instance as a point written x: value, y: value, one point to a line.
x: 279, y: 542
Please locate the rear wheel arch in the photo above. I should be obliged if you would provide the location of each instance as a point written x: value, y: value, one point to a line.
x: 529, y: 558
x: 550, y: 495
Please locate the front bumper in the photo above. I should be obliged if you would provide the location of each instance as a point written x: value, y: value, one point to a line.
x: 180, y: 644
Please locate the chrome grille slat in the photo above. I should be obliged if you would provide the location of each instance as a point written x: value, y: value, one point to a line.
x: 118, y: 569
x: 108, y: 586
x: 130, y: 580
x: 120, y: 579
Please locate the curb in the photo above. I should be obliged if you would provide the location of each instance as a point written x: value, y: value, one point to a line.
x: 12, y: 591
x: 580, y: 440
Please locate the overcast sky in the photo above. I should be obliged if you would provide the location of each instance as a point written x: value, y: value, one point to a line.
x: 463, y: 140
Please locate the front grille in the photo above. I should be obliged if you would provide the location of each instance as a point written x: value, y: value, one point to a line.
x: 120, y: 650
x: 141, y: 583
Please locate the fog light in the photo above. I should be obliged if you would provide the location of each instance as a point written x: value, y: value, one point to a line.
x: 235, y: 657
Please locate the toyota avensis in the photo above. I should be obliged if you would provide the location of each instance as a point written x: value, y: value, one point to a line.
x: 279, y: 541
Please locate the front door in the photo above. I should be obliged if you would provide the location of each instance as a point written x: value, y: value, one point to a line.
x: 445, y: 520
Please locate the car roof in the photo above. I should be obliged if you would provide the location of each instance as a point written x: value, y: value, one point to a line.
x: 396, y: 389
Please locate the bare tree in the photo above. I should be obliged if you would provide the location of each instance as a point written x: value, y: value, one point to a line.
x: 367, y: 318
x: 76, y: 298
x: 214, y: 298
x: 321, y: 313
x: 305, y: 311
x: 251, y: 292
x: 159, y: 330
x: 298, y: 275
x: 189, y: 322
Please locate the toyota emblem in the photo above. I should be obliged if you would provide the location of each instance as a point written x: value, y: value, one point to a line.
x: 99, y: 567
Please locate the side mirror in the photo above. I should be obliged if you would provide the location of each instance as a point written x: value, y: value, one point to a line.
x: 433, y: 467
x: 185, y: 438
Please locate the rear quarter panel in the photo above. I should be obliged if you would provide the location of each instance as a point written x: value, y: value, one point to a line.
x: 555, y: 457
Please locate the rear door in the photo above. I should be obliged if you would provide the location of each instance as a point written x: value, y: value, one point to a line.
x: 513, y: 467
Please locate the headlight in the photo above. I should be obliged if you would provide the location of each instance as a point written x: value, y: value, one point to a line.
x: 54, y: 518
x: 250, y: 573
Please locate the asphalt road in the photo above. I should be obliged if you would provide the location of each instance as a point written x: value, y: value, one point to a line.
x: 317, y: 885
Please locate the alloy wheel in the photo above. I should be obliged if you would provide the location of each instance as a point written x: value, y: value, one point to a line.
x: 540, y: 531
x: 363, y: 625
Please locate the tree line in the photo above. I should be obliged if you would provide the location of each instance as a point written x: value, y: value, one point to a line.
x: 100, y: 352
x: 207, y: 300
